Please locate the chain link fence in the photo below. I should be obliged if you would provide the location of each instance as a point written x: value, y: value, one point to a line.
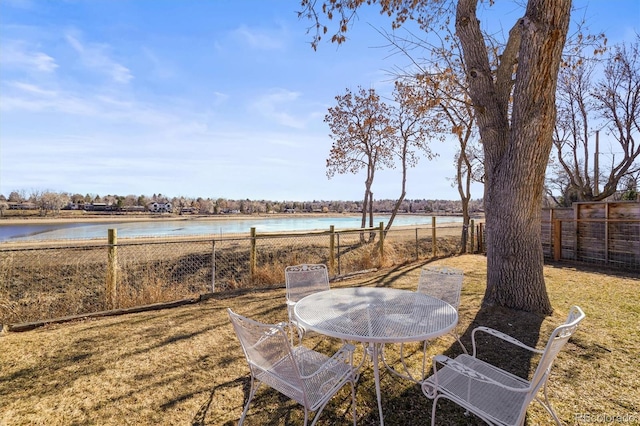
x: 39, y: 283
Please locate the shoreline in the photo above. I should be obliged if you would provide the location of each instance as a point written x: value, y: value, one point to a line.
x: 145, y: 218
x: 37, y: 220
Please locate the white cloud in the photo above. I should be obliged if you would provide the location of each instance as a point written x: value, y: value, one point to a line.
x: 160, y: 68
x: 47, y: 101
x: 95, y: 56
x: 219, y: 98
x: 19, y: 54
x: 259, y: 39
x: 274, y: 106
x: 32, y: 89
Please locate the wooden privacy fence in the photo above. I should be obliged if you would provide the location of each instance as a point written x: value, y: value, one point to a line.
x: 603, y: 233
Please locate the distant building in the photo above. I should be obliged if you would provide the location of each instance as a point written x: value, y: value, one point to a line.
x: 133, y: 209
x: 156, y: 207
x: 22, y: 206
x: 97, y: 207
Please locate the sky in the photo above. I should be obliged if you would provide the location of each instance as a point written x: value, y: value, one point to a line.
x: 212, y: 99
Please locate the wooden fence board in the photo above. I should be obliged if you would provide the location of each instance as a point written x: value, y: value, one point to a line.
x: 600, y: 232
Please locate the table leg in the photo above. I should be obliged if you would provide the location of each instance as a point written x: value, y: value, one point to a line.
x: 375, y: 358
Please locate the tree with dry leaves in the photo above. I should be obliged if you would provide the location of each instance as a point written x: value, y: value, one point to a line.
x: 363, y: 137
x: 440, y: 80
x: 445, y: 81
x: 414, y: 128
x: 514, y: 105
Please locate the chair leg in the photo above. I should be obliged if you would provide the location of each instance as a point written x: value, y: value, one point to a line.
x: 252, y: 392
x: 547, y: 405
x: 353, y: 399
x: 407, y: 374
x: 424, y: 360
x: 457, y: 336
x: 433, y: 410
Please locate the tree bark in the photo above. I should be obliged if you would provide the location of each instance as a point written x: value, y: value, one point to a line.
x: 516, y: 150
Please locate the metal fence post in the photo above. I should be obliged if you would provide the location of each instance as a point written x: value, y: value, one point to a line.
x: 252, y: 254
x: 213, y: 266
x: 417, y: 251
x: 381, y: 227
x: 434, y: 247
x: 332, y: 246
x: 473, y: 234
x: 339, y: 257
x: 112, y: 269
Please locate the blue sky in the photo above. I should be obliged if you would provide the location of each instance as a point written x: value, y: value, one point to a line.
x: 199, y: 98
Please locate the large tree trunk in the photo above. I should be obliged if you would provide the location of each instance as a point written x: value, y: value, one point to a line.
x: 516, y: 150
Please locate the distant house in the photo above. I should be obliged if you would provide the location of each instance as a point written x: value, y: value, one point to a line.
x: 156, y: 207
x: 133, y: 209
x: 96, y: 207
x: 22, y: 206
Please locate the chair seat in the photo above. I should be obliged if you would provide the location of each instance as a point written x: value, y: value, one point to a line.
x: 310, y: 362
x: 308, y: 377
x: 493, y: 402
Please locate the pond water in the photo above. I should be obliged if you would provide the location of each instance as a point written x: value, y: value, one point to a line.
x: 156, y: 228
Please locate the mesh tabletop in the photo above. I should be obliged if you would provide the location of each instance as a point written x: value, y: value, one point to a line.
x: 376, y: 315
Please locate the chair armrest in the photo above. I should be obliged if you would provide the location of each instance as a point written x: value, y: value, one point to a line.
x: 502, y: 336
x: 273, y: 332
x: 462, y: 370
x: 344, y: 355
x: 287, y: 327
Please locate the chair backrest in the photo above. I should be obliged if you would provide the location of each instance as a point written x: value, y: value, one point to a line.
x: 442, y: 282
x: 264, y: 345
x: 303, y: 280
x: 556, y: 342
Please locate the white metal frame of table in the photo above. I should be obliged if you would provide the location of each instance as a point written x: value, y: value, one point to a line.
x: 375, y: 316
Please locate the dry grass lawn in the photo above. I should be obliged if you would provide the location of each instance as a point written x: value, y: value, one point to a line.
x: 184, y: 365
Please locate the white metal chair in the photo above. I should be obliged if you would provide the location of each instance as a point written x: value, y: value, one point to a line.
x: 303, y: 280
x: 302, y: 374
x: 493, y: 394
x: 444, y: 283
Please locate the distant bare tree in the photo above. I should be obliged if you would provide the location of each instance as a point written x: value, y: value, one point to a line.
x: 3, y: 206
x: 49, y: 201
x: 618, y: 101
x: 614, y: 100
x: 630, y: 187
x: 17, y: 197
x: 130, y: 200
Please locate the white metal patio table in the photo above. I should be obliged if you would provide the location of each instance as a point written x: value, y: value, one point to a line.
x: 375, y: 316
